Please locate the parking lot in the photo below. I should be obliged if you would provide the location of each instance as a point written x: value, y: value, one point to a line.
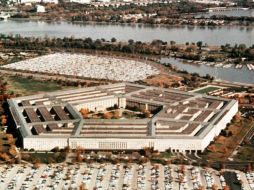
x: 118, y: 176
x: 87, y: 66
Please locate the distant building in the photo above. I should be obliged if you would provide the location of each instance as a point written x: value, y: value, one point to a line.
x: 180, y: 121
x: 104, y: 1
x: 81, y: 1
x: 40, y: 9
x: 37, y: 1
x: 4, y: 15
x: 216, y: 2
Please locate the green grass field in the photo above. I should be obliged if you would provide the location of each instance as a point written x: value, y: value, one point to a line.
x: 207, y: 89
x: 24, y: 86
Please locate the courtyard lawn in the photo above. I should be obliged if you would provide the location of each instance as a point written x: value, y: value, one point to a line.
x: 207, y: 89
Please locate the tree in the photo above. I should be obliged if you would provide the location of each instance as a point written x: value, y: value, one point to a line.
x: 5, y: 156
x: 107, y: 115
x: 79, y: 158
x: 56, y: 149
x: 113, y: 40
x: 25, y: 156
x: 67, y: 149
x: 3, y: 120
x: 237, y: 117
x: 36, y: 164
x: 249, y: 167
x: 199, y: 44
x: 10, y: 139
x: 84, y: 112
x: 130, y: 41
x: 50, y: 160
x: 172, y: 43
x: 3, y: 2
x: 12, y: 150
x: 226, y: 187
x: 230, y: 133
x: 146, y: 113
x: 242, y: 46
x: 116, y: 114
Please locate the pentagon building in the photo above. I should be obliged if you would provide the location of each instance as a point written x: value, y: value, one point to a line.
x: 180, y: 121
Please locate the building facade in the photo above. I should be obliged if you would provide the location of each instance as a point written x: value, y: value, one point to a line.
x: 180, y: 121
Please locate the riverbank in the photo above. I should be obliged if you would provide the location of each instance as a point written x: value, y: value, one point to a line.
x: 180, y: 13
x: 187, y: 22
x: 222, y: 64
x: 221, y: 75
x: 212, y: 21
x: 218, y: 60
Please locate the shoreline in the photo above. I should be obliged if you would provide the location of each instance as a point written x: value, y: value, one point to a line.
x: 41, y: 76
x: 126, y: 23
x: 156, y: 59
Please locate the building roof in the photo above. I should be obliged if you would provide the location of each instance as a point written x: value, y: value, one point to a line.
x: 175, y: 113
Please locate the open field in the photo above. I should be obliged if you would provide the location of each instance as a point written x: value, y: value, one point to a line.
x: 25, y: 86
x: 86, y: 66
x: 223, y: 146
x: 163, y: 80
x: 245, y: 153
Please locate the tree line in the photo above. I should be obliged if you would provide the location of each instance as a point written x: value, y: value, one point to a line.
x: 191, y: 51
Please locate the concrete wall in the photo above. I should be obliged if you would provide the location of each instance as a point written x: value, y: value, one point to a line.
x: 137, y: 143
x: 161, y: 144
x: 45, y: 143
x: 222, y: 124
x: 98, y: 104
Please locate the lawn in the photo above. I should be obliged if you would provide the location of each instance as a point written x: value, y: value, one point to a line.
x: 47, y: 157
x: 166, y: 155
x: 207, y: 89
x: 3, y: 147
x: 25, y: 86
x: 245, y: 153
x: 222, y: 148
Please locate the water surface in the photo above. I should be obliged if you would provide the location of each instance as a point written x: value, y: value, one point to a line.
x: 228, y: 74
x: 138, y: 32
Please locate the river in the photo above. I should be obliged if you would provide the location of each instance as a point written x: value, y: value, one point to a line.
x: 138, y: 32
x: 181, y: 34
x: 228, y: 74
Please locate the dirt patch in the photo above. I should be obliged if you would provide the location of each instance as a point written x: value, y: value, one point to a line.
x: 163, y: 80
